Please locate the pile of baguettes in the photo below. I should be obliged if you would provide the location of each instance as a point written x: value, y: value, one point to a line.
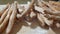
x: 46, y: 13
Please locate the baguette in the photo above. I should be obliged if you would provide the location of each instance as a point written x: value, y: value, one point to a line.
x: 4, y: 15
x: 31, y: 6
x: 12, y: 19
x: 53, y: 17
x: 49, y: 9
x: 52, y: 8
x: 3, y: 10
x: 48, y: 22
x: 5, y: 21
x: 52, y: 12
x: 39, y: 17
